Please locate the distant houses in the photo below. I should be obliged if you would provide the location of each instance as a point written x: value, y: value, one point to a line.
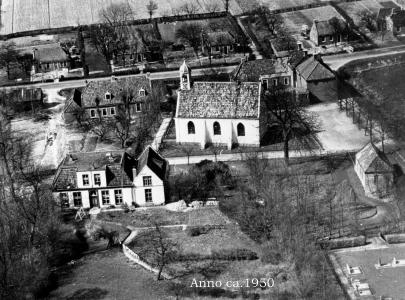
x: 105, y: 179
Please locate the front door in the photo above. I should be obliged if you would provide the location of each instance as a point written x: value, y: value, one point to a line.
x: 93, y: 198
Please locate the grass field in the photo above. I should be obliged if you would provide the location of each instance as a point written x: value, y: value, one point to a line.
x: 296, y: 19
x: 24, y: 15
x: 353, y: 9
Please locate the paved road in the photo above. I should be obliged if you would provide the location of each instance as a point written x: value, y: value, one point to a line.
x: 339, y: 60
x: 154, y: 76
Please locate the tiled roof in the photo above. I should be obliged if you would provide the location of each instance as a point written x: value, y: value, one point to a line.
x: 111, y: 162
x: 313, y: 69
x: 223, y: 100
x: 252, y: 70
x: 154, y: 161
x: 118, y: 166
x: 50, y: 53
x: 373, y: 160
x: 324, y: 28
x: 74, y: 103
x: 94, y: 93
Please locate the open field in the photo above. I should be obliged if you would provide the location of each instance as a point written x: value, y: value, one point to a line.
x: 383, y: 282
x: 24, y: 15
x: 353, y: 9
x: 296, y: 19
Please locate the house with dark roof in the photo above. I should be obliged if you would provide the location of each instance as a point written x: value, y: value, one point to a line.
x: 105, y: 99
x: 218, y: 43
x: 375, y: 171
x: 220, y: 113
x: 49, y: 58
x: 269, y: 72
x: 325, y: 32
x: 22, y: 99
x: 104, y: 179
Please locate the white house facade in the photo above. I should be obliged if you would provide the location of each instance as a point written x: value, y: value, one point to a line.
x: 220, y: 113
x: 104, y: 179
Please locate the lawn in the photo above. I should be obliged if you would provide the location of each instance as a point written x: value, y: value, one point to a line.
x: 162, y: 216
x: 353, y: 9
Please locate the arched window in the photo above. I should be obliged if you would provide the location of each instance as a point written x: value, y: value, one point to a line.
x: 217, y: 128
x: 191, y: 128
x: 241, y: 129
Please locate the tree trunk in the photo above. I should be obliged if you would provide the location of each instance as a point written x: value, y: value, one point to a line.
x: 286, y: 151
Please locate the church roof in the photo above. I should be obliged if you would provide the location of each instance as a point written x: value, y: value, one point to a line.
x: 220, y: 100
x: 373, y: 160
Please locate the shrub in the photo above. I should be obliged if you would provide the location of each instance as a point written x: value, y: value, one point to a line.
x: 234, y: 254
x: 343, y: 242
x: 395, y: 238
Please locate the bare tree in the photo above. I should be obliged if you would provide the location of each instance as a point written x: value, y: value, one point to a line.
x: 189, y: 8
x: 151, y: 7
x: 288, y: 116
x: 339, y: 28
x: 191, y: 33
x: 100, y: 128
x: 368, y: 20
x: 8, y: 56
x: 213, y: 6
x: 188, y: 150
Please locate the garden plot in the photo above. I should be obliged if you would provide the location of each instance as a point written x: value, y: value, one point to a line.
x: 353, y: 9
x: 24, y: 15
x: 283, y: 4
x: 296, y: 19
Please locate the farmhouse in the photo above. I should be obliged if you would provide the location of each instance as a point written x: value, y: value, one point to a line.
x: 22, y: 99
x: 220, y: 113
x: 375, y: 171
x: 219, y: 43
x: 103, y: 179
x: 325, y: 33
x: 269, y: 72
x: 106, y: 99
x: 50, y: 58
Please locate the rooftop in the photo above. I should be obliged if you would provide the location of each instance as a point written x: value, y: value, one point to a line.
x: 50, y: 53
x: 251, y: 71
x: 220, y: 38
x: 313, y: 69
x: 224, y: 100
x: 94, y: 93
x: 384, y: 13
x: 325, y: 27
x: 373, y: 160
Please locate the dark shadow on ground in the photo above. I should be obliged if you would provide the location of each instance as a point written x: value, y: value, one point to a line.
x: 88, y: 294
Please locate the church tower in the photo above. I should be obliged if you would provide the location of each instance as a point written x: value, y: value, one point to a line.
x: 185, y: 76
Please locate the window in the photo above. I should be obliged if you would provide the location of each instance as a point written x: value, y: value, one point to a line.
x: 241, y: 129
x: 275, y: 82
x: 104, y: 112
x: 112, y: 111
x: 286, y: 81
x: 217, y: 128
x: 191, y: 128
x: 118, y: 197
x: 107, y: 96
x: 97, y: 179
x: 398, y: 28
x: 265, y: 84
x: 324, y: 39
x: 105, y: 197
x: 148, y: 195
x: 331, y: 38
x: 93, y: 113
x: 141, y: 92
x: 147, y: 180
x: 64, y: 200
x: 77, y: 199
x: 85, y: 178
x: 138, y: 107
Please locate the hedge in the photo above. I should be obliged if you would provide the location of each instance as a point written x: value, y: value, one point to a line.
x: 346, y: 242
x: 395, y: 238
x: 224, y: 254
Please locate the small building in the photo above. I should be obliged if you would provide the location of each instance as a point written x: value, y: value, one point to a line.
x: 325, y: 33
x: 269, y: 72
x: 384, y: 19
x: 104, y: 179
x: 50, y: 58
x: 105, y: 99
x: 22, y: 99
x: 218, y: 43
x: 375, y: 171
x: 398, y: 22
x: 219, y: 113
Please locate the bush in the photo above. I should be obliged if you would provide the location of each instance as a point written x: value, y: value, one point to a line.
x: 395, y: 238
x: 343, y: 242
x: 198, y: 230
x: 234, y: 254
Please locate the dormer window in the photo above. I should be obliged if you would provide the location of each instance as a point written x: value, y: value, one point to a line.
x: 107, y: 96
x: 142, y: 93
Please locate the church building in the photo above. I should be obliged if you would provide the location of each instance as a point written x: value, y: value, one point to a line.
x: 219, y: 113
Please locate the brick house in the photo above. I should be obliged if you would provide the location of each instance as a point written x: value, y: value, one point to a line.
x: 221, y: 113
x: 219, y: 42
x: 375, y: 171
x: 105, y: 99
x: 50, y: 58
x: 103, y: 179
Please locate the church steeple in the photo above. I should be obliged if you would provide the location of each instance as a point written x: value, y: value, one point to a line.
x: 185, y: 76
